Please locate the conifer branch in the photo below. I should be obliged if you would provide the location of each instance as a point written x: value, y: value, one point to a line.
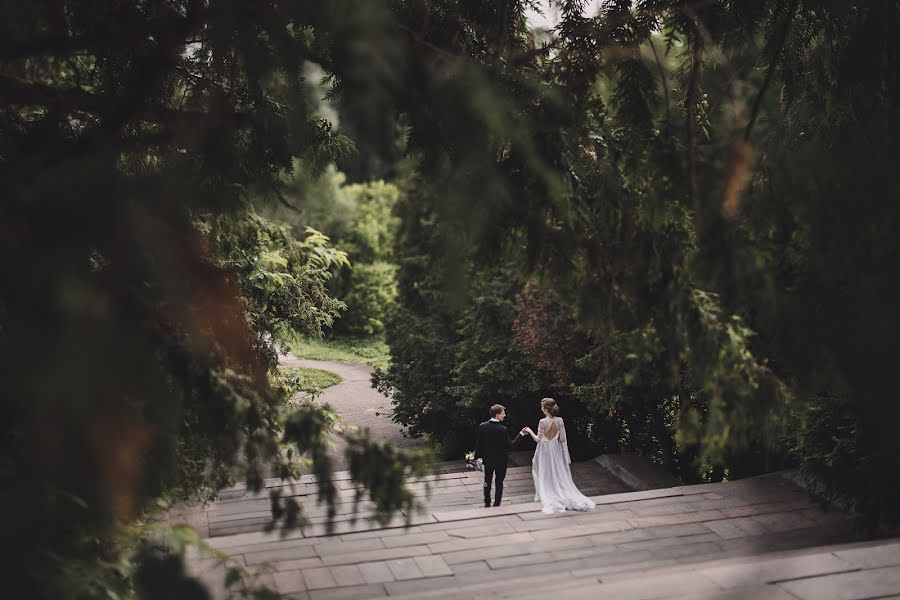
x: 782, y: 39
x: 14, y: 90
x: 53, y: 44
x: 665, y: 83
x: 690, y: 103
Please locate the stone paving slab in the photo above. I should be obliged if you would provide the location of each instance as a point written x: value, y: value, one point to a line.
x: 527, y: 511
x: 756, y: 577
x: 742, y: 575
x: 850, y: 585
x: 868, y: 557
x: 252, y: 512
x: 757, y: 538
x: 818, y: 575
x: 242, y: 511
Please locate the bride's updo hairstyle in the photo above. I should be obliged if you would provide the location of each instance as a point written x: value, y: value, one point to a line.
x: 549, y: 404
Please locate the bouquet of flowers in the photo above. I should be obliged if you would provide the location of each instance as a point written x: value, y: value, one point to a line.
x: 474, y: 463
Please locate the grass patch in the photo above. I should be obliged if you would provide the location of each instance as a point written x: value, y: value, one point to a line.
x: 372, y: 351
x: 311, y: 381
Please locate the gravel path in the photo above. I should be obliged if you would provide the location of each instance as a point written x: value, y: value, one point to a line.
x: 356, y: 402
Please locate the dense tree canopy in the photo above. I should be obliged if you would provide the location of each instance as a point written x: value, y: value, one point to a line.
x: 705, y: 189
x: 704, y: 196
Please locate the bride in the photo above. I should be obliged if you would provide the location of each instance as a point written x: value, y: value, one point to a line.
x: 553, y: 485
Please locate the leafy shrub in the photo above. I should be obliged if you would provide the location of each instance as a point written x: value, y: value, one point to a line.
x: 358, y: 219
x: 307, y: 380
x: 371, y: 291
x: 833, y: 460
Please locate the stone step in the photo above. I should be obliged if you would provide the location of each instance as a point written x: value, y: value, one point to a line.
x: 240, y: 511
x: 516, y: 550
x: 453, y: 466
x: 867, y: 570
x: 306, y: 484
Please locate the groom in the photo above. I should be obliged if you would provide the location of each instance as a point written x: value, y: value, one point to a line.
x: 492, y: 446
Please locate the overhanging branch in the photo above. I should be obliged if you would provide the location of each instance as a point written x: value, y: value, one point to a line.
x: 44, y: 44
x: 782, y: 39
x: 16, y: 91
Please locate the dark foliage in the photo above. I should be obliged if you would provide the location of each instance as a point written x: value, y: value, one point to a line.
x: 707, y: 187
x: 708, y: 190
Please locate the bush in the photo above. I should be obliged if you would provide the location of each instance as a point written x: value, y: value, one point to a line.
x: 829, y: 451
x: 358, y: 219
x: 304, y: 379
x: 371, y: 291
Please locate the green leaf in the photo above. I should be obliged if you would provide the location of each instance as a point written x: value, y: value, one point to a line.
x: 232, y: 576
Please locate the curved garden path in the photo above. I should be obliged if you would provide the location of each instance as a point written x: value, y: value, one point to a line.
x: 356, y: 401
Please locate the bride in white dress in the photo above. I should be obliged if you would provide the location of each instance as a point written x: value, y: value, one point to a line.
x: 553, y: 485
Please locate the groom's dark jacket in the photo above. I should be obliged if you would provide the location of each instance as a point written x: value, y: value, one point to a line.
x: 493, y: 443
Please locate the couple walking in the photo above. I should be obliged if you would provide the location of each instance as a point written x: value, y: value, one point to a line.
x: 553, y: 485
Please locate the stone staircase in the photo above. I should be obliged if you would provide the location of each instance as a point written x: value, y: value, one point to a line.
x: 454, y: 487
x: 753, y: 538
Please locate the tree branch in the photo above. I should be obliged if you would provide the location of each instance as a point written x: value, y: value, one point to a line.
x: 665, y: 83
x: 757, y: 104
x: 44, y: 44
x: 283, y: 200
x: 14, y: 90
x: 690, y: 103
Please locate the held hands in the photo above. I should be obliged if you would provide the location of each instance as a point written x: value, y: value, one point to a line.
x: 526, y: 430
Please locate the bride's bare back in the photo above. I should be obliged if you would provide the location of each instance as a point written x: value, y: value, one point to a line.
x: 548, y: 428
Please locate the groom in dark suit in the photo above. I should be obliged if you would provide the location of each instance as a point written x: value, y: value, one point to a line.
x: 493, y: 446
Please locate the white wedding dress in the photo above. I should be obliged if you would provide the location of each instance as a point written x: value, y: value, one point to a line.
x: 553, y: 485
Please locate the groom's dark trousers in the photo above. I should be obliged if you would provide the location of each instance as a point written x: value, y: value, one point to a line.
x: 492, y: 446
